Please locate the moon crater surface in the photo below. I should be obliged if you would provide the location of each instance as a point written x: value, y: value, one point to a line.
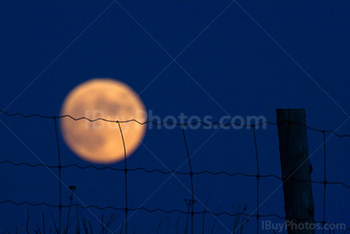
x: 100, y: 141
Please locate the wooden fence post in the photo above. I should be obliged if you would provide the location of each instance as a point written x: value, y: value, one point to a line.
x: 296, y: 171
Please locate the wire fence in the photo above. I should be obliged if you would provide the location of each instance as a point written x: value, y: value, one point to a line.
x: 192, y: 212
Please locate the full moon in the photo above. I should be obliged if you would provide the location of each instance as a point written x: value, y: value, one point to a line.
x: 101, y: 141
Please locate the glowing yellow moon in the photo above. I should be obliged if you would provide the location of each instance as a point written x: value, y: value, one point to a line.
x: 100, y: 141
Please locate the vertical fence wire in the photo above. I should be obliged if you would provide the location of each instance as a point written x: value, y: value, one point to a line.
x: 126, y: 180
x: 324, y: 180
x: 257, y: 181
x: 59, y: 177
x: 191, y: 176
x: 258, y: 176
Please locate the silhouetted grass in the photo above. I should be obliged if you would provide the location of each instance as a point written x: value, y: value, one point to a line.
x: 77, y: 223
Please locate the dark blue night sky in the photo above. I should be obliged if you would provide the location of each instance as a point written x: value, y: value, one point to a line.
x: 237, y: 58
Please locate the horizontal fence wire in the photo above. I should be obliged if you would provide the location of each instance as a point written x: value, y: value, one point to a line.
x: 149, y: 210
x: 149, y: 171
x: 191, y: 173
x: 167, y: 122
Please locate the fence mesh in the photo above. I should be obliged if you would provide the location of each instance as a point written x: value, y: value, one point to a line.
x: 192, y: 212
